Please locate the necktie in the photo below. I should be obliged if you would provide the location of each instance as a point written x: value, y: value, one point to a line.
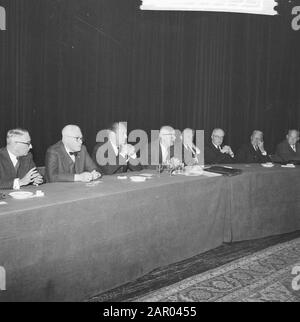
x: 294, y: 147
x: 17, y: 165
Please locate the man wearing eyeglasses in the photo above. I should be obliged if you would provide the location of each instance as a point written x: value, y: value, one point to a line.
x: 17, y: 168
x: 289, y: 149
x: 68, y: 159
x: 216, y: 152
x: 161, y: 149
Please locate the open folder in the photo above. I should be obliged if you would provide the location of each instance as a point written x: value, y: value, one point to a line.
x: 224, y: 170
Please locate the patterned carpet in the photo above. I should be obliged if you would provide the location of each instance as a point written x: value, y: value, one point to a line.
x: 265, y: 276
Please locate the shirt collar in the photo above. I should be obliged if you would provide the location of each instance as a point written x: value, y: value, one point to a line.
x: 13, y: 158
x: 216, y: 146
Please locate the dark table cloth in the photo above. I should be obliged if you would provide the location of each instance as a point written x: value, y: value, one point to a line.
x: 263, y: 202
x: 78, y: 240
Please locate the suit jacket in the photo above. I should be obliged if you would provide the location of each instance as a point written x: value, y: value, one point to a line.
x: 247, y: 154
x: 285, y: 153
x: 154, y: 153
x: 60, y: 166
x: 8, y: 172
x: 109, y: 163
x: 188, y: 157
x: 214, y: 156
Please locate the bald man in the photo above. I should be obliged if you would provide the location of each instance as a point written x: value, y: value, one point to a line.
x: 68, y: 159
x: 254, y: 151
x: 216, y: 152
x: 17, y: 168
x: 161, y: 149
x: 289, y: 149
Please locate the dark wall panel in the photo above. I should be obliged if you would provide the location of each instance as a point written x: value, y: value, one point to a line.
x: 93, y: 61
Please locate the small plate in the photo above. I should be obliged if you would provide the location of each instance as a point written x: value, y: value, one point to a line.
x: 267, y: 165
x: 289, y: 165
x: 21, y: 194
x: 137, y: 179
x: 147, y: 175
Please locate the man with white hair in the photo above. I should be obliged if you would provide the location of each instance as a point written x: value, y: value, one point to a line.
x: 115, y: 155
x: 161, y: 150
x: 289, y: 149
x: 254, y: 151
x: 216, y: 152
x: 17, y: 168
x: 68, y: 159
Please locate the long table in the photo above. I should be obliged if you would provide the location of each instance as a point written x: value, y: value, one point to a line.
x: 78, y: 240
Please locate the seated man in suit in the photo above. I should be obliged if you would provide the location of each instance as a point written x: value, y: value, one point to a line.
x: 254, y: 151
x: 160, y: 151
x: 215, y: 152
x: 289, y: 149
x: 190, y: 151
x: 17, y: 168
x: 115, y: 155
x: 68, y: 159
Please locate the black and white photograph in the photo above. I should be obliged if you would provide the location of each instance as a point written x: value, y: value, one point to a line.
x: 149, y: 154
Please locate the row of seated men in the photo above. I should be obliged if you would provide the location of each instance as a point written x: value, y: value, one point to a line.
x: 68, y: 160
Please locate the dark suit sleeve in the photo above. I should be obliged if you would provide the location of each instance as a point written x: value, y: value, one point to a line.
x: 6, y: 183
x: 89, y: 164
x: 211, y: 157
x: 52, y: 169
x: 282, y: 153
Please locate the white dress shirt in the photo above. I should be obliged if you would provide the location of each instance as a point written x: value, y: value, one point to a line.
x: 164, y: 153
x: 14, y: 160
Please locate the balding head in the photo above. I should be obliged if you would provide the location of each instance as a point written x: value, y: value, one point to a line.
x: 292, y: 136
x: 167, y: 135
x: 217, y: 136
x: 118, y: 133
x: 188, y: 136
x: 72, y: 137
x: 257, y: 137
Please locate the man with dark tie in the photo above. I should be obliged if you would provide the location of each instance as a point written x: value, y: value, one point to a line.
x: 289, y: 149
x: 254, y: 151
x: 17, y: 168
x: 68, y: 159
x: 190, y: 151
x: 112, y: 153
x: 216, y: 152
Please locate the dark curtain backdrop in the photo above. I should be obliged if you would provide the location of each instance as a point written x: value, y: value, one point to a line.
x: 90, y: 62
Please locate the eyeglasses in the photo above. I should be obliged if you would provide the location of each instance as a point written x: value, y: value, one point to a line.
x: 169, y: 134
x: 77, y: 138
x: 26, y: 143
x: 218, y: 136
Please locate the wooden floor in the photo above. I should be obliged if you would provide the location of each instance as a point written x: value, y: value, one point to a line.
x: 173, y: 273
